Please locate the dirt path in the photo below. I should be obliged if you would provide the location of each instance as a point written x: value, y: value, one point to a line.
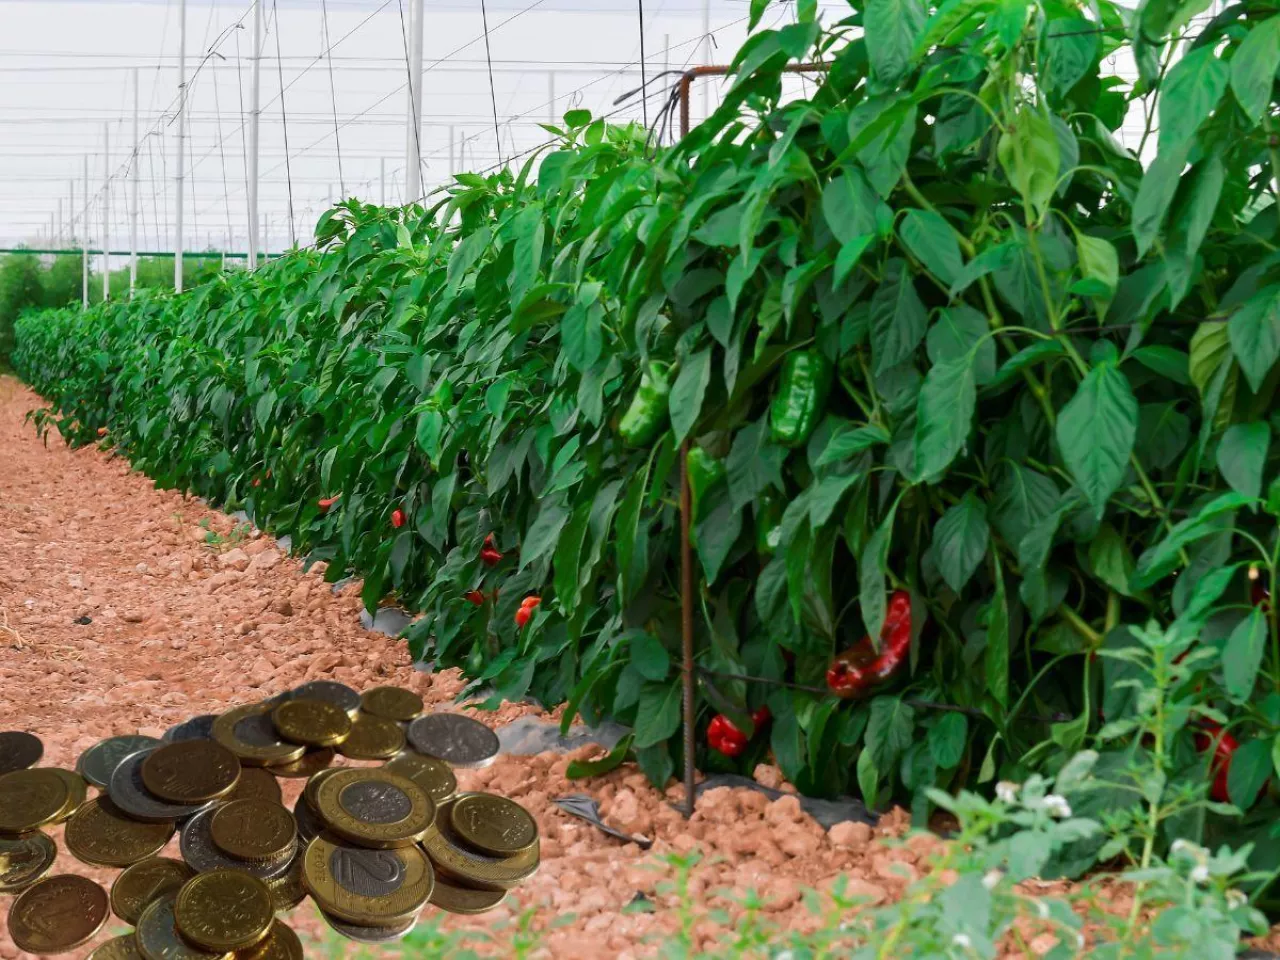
x: 177, y: 627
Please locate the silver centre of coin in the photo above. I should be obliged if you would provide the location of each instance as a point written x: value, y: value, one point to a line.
x: 371, y: 802
x: 454, y: 738
x: 367, y: 873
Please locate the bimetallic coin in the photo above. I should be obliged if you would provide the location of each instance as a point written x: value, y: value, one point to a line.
x: 24, y: 860
x: 98, y: 762
x: 330, y: 690
x: 315, y: 723
x: 363, y: 886
x: 199, y: 850
x: 57, y: 914
x: 121, y: 948
x: 466, y: 900
x: 158, y: 937
x: 19, y: 750
x: 373, y: 935
x: 314, y: 783
x: 453, y: 859
x: 30, y: 799
x: 256, y: 783
x: 432, y: 775
x: 249, y: 733
x: 253, y: 830
x: 191, y: 771
x: 309, y: 823
x: 145, y: 882
x: 455, y: 739
x: 224, y: 910
x: 281, y: 943
x: 77, y: 791
x: 375, y: 808
x: 372, y: 738
x: 309, y: 764
x: 197, y: 728
x: 392, y: 703
x: 130, y: 794
x: 101, y: 834
x: 492, y: 824
x: 288, y: 890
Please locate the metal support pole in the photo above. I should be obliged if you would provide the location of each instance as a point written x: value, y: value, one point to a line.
x: 57, y: 234
x: 686, y: 628
x: 255, y: 113
x: 71, y: 211
x: 85, y: 265
x: 453, y: 164
x: 706, y: 55
x: 382, y: 182
x: 182, y: 122
x: 413, y: 135
x: 133, y: 191
x: 106, y: 212
x: 266, y: 245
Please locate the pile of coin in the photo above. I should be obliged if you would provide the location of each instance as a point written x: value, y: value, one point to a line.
x: 372, y: 845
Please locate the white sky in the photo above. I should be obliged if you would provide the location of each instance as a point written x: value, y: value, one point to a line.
x: 67, y: 66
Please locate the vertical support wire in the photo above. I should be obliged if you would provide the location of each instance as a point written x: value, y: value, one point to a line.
x: 493, y: 96
x: 333, y: 95
x: 284, y: 119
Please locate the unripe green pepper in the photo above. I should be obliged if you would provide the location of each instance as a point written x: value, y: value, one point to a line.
x: 801, y: 398
x: 768, y: 523
x: 647, y: 415
x: 705, y: 471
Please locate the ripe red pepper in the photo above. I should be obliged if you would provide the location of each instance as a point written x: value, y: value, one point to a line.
x: 761, y: 717
x: 397, y: 518
x: 328, y: 502
x: 257, y: 481
x: 724, y: 736
x: 102, y: 431
x: 474, y: 597
x: 525, y: 613
x: 490, y: 555
x: 1224, y: 748
x: 860, y: 669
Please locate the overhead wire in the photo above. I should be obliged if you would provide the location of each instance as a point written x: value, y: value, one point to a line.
x: 284, y: 119
x: 333, y: 95
x: 493, y: 96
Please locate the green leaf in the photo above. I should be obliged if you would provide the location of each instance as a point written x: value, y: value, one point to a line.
x: 568, y: 556
x: 849, y: 206
x: 1155, y: 193
x: 1242, y: 656
x: 932, y: 241
x: 581, y: 769
x: 649, y: 657
x: 754, y: 464
x: 1028, y: 152
x: 944, y: 416
x: 947, y: 739
x: 997, y: 651
x: 890, y: 728
x: 1110, y: 560
x: 1254, y: 332
x: 988, y: 261
x: 632, y: 542
x: 1070, y: 48
x: 658, y: 713
x: 1189, y: 93
x: 580, y: 328
x: 1242, y: 454
x: 871, y: 571
x: 1096, y: 431
x: 1253, y: 68
x: 1099, y: 262
x: 757, y: 11
x: 715, y: 534
x: 1024, y: 358
x: 847, y: 440
x: 898, y: 318
x: 892, y: 28
x: 688, y: 391
x: 960, y: 330
x: 1165, y: 362
x: 960, y: 542
x: 1249, y: 771
x: 848, y: 257
x: 544, y: 533
x: 1023, y: 498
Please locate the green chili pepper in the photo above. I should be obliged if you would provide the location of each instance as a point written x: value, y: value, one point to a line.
x: 768, y: 523
x: 801, y: 398
x: 647, y: 415
x: 705, y: 471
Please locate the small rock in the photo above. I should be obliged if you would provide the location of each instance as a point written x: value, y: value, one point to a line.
x: 235, y: 559
x: 850, y: 834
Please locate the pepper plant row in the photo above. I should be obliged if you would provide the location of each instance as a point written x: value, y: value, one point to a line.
x: 958, y: 372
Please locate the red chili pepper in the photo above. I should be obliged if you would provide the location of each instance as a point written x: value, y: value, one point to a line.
x: 328, y: 502
x: 860, y: 669
x: 761, y: 717
x: 530, y: 601
x: 724, y: 736
x: 1224, y: 748
x: 102, y: 431
x: 475, y: 597
x: 490, y: 557
x: 257, y: 481
x: 525, y: 613
x: 397, y: 518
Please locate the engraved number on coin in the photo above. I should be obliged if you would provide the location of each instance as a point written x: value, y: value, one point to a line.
x: 367, y: 873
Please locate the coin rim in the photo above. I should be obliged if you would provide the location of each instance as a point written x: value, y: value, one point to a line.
x: 443, y: 884
x: 244, y: 943
x: 399, y: 717
x: 329, y: 739
x: 154, y: 906
x: 158, y: 811
x: 43, y: 773
x: 254, y: 858
x: 47, y: 846
x: 464, y: 764
x: 224, y: 733
x: 316, y: 857
x: 76, y: 848
x: 379, y: 836
x: 82, y: 761
x: 60, y: 946
x: 384, y: 755
x: 478, y: 795
x: 404, y: 756
x: 188, y: 745
x: 263, y: 871
x: 115, y: 908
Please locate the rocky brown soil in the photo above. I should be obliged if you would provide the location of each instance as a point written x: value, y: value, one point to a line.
x: 178, y: 627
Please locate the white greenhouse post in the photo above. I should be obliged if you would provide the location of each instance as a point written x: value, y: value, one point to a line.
x: 255, y: 113
x: 182, y: 121
x: 413, y: 134
x: 133, y: 192
x: 106, y: 212
x: 85, y: 235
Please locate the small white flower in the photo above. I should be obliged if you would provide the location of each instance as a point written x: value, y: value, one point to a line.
x: 962, y: 940
x: 1007, y: 791
x: 1200, y: 874
x: 1182, y: 846
x: 1042, y: 909
x: 1057, y: 806
x: 992, y: 879
x: 784, y: 955
x: 1236, y: 899
x: 1080, y: 941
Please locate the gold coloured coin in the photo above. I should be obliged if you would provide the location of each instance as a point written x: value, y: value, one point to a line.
x: 372, y: 738
x: 158, y: 937
x: 19, y: 750
x: 145, y: 882
x: 314, y: 783
x: 309, y: 764
x: 77, y: 791
x: 30, y: 799
x: 190, y: 771
x: 288, y: 890
x: 24, y: 860
x: 315, y: 723
x: 249, y: 733
x: 253, y: 829
x: 392, y: 703
x: 466, y: 900
x: 281, y: 943
x: 224, y: 910
x: 202, y: 854
x: 256, y: 783
x: 375, y: 808
x: 121, y: 948
x: 57, y: 914
x: 368, y: 887
x: 452, y: 859
x: 101, y: 834
x: 432, y: 775
x: 383, y: 933
x: 492, y: 824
